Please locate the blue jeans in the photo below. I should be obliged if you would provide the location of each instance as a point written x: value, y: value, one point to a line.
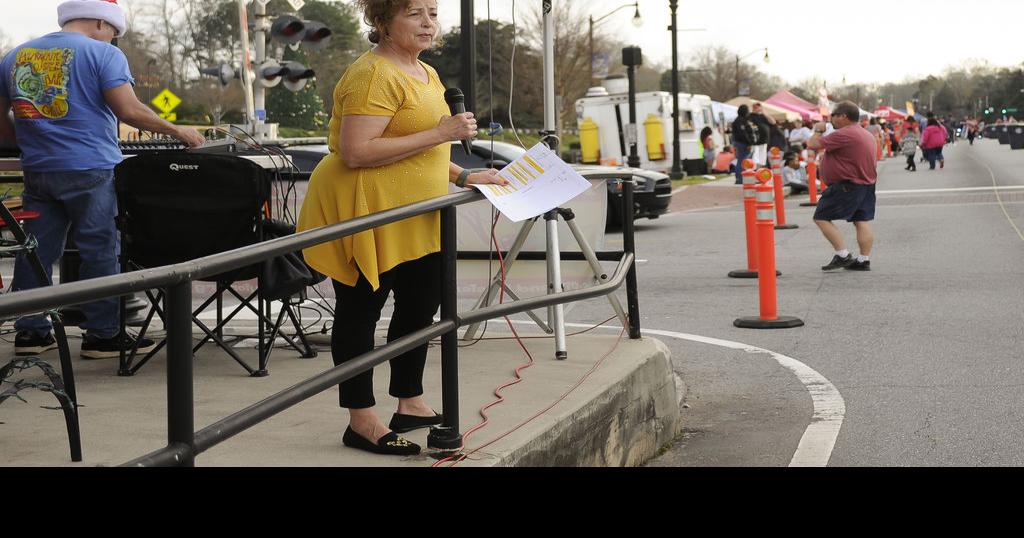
x: 933, y: 154
x: 86, y: 200
x: 742, y: 152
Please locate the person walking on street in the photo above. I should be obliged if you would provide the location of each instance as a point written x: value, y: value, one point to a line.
x: 745, y: 136
x: 68, y: 89
x: 909, y: 148
x: 763, y: 123
x: 848, y: 170
x: 972, y: 131
x: 932, y: 140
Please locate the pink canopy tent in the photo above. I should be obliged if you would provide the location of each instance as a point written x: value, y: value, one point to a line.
x: 784, y: 99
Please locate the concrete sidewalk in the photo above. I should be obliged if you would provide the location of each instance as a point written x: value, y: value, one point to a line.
x: 621, y: 414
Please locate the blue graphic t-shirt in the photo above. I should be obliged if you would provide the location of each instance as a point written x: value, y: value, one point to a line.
x: 55, y: 85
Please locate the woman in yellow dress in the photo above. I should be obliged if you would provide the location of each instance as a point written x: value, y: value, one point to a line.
x: 390, y: 135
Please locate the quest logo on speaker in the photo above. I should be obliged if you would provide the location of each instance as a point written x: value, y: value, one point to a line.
x: 175, y: 167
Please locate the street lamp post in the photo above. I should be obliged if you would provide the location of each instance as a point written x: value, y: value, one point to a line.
x: 738, y: 58
x: 677, y: 168
x: 637, y: 21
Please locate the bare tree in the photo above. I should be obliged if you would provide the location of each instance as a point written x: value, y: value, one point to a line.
x: 572, y: 52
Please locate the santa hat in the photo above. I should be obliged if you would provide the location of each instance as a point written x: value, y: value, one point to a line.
x: 104, y: 10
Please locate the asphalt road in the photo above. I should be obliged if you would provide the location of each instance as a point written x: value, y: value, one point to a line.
x: 926, y: 350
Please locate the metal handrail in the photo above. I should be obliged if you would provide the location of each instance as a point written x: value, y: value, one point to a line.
x: 83, y: 291
x: 184, y: 443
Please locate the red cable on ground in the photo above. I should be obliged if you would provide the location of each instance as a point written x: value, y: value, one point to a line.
x: 519, y: 378
x: 462, y: 457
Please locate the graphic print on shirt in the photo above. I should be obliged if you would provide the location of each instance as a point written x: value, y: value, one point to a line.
x: 41, y: 83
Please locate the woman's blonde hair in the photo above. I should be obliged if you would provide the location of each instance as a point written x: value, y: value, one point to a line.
x: 378, y: 13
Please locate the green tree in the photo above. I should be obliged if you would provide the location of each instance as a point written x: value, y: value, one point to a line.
x: 303, y: 109
x: 493, y: 74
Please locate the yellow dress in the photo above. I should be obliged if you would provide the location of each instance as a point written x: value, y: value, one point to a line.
x: 375, y: 86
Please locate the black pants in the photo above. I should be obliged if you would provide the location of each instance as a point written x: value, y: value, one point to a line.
x: 417, y: 288
x: 911, y: 165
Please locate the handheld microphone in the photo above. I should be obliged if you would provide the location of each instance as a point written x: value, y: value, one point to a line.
x: 457, y: 103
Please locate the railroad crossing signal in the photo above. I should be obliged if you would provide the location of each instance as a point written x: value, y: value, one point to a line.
x: 166, y: 101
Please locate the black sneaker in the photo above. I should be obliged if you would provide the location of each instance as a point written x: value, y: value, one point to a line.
x: 838, y: 263
x: 859, y: 266
x: 109, y: 348
x: 30, y: 343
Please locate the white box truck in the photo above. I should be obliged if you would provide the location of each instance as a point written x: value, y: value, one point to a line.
x: 603, y: 121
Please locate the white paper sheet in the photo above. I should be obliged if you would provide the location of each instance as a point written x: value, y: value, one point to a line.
x: 538, y: 182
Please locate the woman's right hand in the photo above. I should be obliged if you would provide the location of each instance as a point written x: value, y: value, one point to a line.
x: 457, y: 127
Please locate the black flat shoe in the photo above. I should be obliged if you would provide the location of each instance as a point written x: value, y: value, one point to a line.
x: 407, y: 423
x: 389, y: 445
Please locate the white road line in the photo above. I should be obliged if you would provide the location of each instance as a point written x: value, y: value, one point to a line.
x: 957, y: 189
x: 1001, y: 204
x: 818, y: 440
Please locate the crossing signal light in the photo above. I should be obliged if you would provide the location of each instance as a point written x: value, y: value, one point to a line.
x: 317, y: 35
x: 288, y: 29
x: 270, y: 73
x: 224, y: 72
x: 297, y: 75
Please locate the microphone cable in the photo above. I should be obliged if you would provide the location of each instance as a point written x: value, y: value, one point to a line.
x: 512, y: 77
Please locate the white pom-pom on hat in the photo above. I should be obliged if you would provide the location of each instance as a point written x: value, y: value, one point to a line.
x: 104, y: 10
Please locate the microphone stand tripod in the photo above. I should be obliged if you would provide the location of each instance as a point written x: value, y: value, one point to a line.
x: 556, y: 314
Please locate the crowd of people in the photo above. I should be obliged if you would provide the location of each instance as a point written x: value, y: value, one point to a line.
x: 753, y: 132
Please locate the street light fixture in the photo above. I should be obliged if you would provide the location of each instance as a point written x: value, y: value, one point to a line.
x: 637, y: 21
x: 738, y: 58
x: 677, y: 171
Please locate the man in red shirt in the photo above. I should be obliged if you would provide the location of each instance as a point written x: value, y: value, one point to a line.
x: 848, y: 170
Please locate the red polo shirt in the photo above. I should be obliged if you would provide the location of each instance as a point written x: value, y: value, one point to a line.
x: 849, y: 156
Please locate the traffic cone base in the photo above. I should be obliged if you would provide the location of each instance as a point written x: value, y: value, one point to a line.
x: 744, y: 273
x: 754, y: 322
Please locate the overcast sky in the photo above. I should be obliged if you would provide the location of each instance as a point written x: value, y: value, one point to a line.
x: 865, y: 41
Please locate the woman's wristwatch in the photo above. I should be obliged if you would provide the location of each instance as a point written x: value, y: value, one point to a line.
x: 463, y: 176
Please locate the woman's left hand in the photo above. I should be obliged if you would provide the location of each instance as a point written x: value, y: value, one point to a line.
x: 486, y: 177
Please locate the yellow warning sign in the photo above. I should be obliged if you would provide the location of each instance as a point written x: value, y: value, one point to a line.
x: 166, y: 101
x: 169, y: 116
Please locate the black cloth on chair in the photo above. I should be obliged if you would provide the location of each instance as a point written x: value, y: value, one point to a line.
x: 175, y: 207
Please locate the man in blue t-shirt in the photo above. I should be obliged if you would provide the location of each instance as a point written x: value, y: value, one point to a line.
x: 67, y: 91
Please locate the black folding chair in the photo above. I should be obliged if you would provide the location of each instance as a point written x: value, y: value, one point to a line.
x: 61, y: 385
x: 175, y: 207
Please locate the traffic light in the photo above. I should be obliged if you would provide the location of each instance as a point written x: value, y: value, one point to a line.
x: 297, y: 75
x: 1003, y: 110
x: 224, y: 72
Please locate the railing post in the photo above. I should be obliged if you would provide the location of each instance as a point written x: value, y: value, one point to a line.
x: 447, y: 438
x: 628, y: 245
x: 180, y: 412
